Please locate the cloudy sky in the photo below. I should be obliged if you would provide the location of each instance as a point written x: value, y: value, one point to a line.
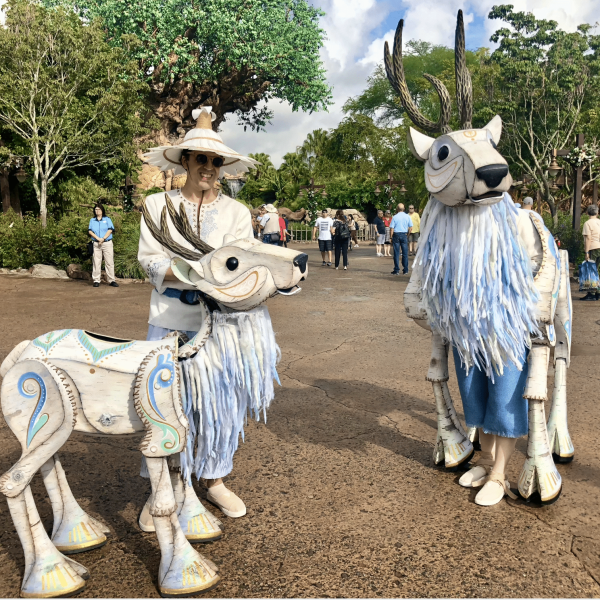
x: 356, y: 30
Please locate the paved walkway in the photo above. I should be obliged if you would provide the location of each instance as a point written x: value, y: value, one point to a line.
x: 343, y: 497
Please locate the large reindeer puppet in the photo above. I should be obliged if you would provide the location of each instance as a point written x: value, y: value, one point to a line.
x: 74, y: 380
x: 489, y: 282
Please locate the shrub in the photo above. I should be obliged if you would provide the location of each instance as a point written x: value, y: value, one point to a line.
x: 24, y: 242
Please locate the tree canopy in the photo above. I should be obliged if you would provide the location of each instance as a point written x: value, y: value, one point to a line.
x: 231, y: 54
x: 68, y: 98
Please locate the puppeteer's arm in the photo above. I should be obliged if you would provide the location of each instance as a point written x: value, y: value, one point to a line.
x: 155, y: 260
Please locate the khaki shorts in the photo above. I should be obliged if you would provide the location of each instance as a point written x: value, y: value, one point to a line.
x: 414, y: 237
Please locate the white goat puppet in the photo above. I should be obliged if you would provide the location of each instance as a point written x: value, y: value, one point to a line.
x: 487, y: 279
x: 74, y: 380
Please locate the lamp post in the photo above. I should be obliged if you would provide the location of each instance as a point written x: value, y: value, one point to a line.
x: 390, y: 184
x: 127, y: 194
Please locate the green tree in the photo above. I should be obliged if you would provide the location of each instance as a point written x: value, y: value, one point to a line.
x: 294, y: 167
x: 231, y: 54
x: 545, y: 89
x: 70, y: 98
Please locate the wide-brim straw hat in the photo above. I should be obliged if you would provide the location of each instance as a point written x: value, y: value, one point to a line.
x: 270, y: 208
x: 201, y: 139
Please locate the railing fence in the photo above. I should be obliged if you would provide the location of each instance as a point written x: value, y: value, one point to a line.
x: 303, y: 233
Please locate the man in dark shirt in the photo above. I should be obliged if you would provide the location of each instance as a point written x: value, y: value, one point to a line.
x: 380, y: 232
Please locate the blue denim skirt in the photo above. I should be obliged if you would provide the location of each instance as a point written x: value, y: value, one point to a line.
x: 498, y: 408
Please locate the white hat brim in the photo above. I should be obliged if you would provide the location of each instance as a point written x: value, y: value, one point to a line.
x: 169, y: 157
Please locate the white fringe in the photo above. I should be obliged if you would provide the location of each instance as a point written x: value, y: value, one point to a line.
x: 231, y: 374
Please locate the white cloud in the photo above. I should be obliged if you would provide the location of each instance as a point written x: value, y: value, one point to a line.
x: 350, y: 54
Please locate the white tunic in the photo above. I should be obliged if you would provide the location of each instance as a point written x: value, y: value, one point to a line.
x: 222, y: 216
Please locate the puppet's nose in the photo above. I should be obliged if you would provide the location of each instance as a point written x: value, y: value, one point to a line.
x: 492, y: 174
x: 300, y: 262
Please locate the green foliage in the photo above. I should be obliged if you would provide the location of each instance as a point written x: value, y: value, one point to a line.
x: 68, y: 98
x: 84, y: 190
x: 545, y: 87
x: 231, y: 54
x: 24, y: 242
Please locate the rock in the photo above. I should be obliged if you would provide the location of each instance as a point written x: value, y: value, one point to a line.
x: 76, y: 272
x: 150, y: 177
x: 4, y: 271
x: 47, y: 272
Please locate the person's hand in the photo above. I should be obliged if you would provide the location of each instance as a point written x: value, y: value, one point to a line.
x: 100, y: 242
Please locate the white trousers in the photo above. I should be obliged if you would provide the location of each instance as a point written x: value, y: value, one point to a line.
x: 103, y: 252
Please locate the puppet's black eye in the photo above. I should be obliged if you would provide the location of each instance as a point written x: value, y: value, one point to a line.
x: 443, y: 153
x: 232, y: 263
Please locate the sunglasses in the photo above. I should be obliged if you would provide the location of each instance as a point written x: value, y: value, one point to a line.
x: 217, y: 161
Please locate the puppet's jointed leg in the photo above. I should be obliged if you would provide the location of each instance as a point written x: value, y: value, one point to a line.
x: 74, y: 530
x: 539, y: 472
x: 558, y: 431
x: 48, y: 574
x: 452, y: 445
x: 183, y: 571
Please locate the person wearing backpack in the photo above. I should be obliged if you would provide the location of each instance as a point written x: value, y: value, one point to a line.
x: 341, y: 237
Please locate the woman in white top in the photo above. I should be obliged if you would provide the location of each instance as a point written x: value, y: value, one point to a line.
x: 212, y: 215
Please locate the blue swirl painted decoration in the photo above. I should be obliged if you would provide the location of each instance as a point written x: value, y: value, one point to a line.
x: 160, y: 377
x: 28, y: 389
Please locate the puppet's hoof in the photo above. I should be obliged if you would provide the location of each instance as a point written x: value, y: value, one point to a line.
x: 562, y: 460
x: 79, y: 533
x: 189, y: 577
x: 197, y: 523
x: 54, y: 578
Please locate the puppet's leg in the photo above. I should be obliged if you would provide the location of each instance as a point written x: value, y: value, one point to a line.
x: 558, y: 430
x: 74, y: 530
x: 452, y: 444
x: 183, y: 571
x: 473, y: 434
x: 198, y: 524
x: 539, y: 473
x: 48, y: 574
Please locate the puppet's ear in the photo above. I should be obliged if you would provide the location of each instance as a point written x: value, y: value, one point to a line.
x: 419, y: 144
x: 187, y: 272
x: 495, y: 128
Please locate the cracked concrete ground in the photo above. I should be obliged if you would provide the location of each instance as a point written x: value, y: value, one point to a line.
x: 343, y: 498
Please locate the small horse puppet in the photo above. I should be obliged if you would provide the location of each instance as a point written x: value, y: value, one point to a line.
x: 74, y: 380
x: 490, y: 283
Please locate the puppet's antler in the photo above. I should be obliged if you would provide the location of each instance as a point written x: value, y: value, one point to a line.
x: 164, y: 237
x: 183, y: 227
x: 464, y: 88
x: 395, y: 72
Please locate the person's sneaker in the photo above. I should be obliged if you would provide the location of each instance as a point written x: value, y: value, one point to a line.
x: 226, y: 500
x: 395, y: 272
x: 345, y: 268
x: 337, y: 268
x: 328, y: 264
x: 589, y: 296
x: 324, y: 264
x: 113, y: 284
x: 96, y: 284
x: 356, y: 245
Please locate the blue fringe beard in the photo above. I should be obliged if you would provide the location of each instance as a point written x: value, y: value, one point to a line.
x: 476, y: 282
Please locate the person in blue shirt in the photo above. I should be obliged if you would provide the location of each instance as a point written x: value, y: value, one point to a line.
x: 101, y: 230
x: 400, y: 228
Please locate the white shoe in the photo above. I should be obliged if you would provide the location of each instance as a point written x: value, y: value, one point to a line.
x: 494, y: 490
x: 475, y: 477
x: 336, y: 268
x: 356, y: 245
x: 226, y: 500
x: 345, y: 268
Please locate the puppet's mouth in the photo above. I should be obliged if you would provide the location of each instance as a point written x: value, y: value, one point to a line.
x: 486, y: 196
x: 289, y: 291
